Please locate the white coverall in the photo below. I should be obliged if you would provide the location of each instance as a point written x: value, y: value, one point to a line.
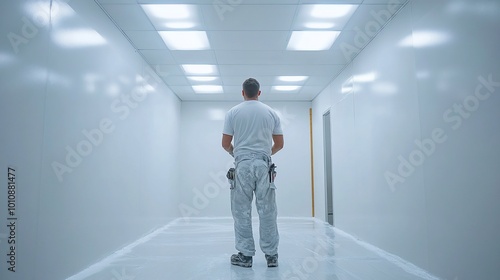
x: 252, y: 124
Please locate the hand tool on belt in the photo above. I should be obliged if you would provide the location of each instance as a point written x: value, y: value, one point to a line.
x: 231, y: 175
x: 272, y: 173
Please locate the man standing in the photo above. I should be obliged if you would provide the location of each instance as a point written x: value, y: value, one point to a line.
x: 254, y: 127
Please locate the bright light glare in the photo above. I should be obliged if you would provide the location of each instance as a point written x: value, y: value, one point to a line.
x: 346, y: 89
x: 332, y: 11
x: 202, y: 79
x: 420, y: 39
x: 180, y: 25
x: 168, y: 11
x: 367, y: 77
x: 312, y: 40
x: 292, y: 78
x: 319, y: 25
x: 42, y: 12
x: 185, y: 40
x: 347, y: 86
x: 199, y: 69
x: 75, y: 38
x: 207, y: 89
x: 286, y: 88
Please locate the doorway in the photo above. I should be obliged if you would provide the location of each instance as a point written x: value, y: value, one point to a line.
x: 327, y: 148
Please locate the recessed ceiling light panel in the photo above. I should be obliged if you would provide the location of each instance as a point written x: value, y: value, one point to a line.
x: 185, y: 40
x: 312, y: 40
x: 199, y: 69
x: 207, y: 89
x: 323, y: 16
x: 172, y: 16
x: 292, y: 78
x: 202, y: 78
x: 286, y: 88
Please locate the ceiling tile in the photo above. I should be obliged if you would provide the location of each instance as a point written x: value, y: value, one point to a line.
x: 117, y: 1
x: 158, y: 56
x: 284, y: 70
x: 238, y: 80
x: 249, y: 17
x: 172, y: 80
x: 318, y: 81
x: 232, y: 3
x: 167, y: 69
x: 387, y: 2
x: 182, y: 89
x: 278, y: 57
x: 331, y: 1
x: 303, y: 18
x: 145, y: 40
x: 248, y: 40
x: 371, y: 17
x: 129, y: 17
x: 194, y: 57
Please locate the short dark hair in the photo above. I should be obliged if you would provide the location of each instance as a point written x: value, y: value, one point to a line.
x: 251, y: 87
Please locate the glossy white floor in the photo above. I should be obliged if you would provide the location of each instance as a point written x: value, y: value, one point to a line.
x: 201, y: 248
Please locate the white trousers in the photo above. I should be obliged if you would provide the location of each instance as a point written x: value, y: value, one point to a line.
x: 252, y: 177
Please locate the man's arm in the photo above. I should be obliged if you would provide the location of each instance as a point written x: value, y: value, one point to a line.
x: 279, y: 142
x: 226, y: 143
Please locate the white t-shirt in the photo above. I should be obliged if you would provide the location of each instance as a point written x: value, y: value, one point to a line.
x: 252, y: 125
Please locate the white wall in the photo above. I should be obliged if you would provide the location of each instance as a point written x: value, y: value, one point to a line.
x: 204, y: 163
x: 441, y: 212
x: 125, y: 184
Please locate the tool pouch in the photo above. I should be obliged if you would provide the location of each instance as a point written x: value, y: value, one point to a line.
x: 231, y: 175
x: 272, y: 175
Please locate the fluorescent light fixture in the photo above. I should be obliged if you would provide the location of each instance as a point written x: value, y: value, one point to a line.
x: 312, y: 40
x: 202, y: 79
x: 168, y: 11
x: 332, y: 11
x: 180, y: 24
x: 319, y: 25
x: 292, y: 78
x: 207, y: 89
x: 77, y: 38
x: 286, y: 88
x: 199, y: 69
x: 172, y: 16
x: 420, y: 39
x: 185, y: 40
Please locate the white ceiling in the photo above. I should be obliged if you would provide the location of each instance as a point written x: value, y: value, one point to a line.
x: 249, y: 39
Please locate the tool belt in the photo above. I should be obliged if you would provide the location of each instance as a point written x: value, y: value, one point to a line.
x: 231, y: 176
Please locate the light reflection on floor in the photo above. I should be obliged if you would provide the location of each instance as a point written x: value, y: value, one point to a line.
x: 201, y: 248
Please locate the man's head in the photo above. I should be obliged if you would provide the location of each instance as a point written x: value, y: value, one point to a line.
x: 251, y: 89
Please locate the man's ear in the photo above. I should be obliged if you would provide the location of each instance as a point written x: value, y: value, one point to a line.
x: 243, y: 93
x: 258, y: 94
